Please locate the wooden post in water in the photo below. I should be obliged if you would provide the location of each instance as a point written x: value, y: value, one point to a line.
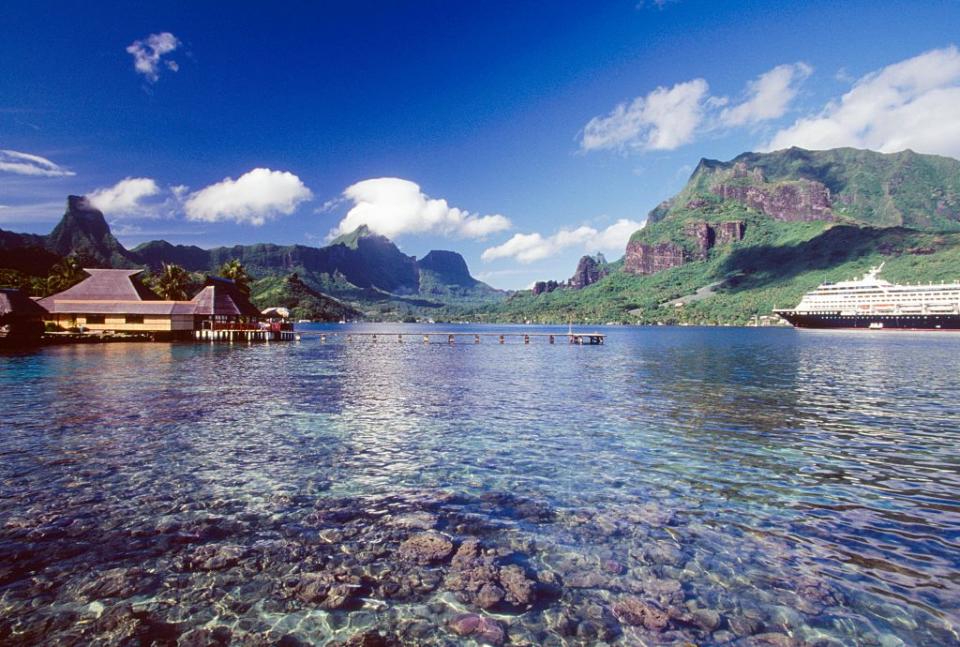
x: 501, y: 339
x: 526, y: 339
x: 449, y: 339
x: 551, y: 339
x: 374, y: 338
x: 476, y: 339
x: 400, y: 338
x: 426, y: 339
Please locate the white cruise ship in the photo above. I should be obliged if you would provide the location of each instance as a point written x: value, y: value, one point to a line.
x: 872, y: 303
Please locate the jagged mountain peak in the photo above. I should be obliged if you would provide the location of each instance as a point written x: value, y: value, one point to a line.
x: 84, y: 232
x: 353, y: 238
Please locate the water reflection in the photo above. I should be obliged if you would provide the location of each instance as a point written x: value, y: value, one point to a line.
x: 792, y: 484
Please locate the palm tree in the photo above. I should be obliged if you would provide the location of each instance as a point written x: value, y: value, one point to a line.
x: 172, y: 283
x: 64, y: 274
x: 235, y: 271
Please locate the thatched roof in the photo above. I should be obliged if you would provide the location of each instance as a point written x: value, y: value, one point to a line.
x: 120, y: 292
x: 221, y: 296
x: 119, y: 287
x: 14, y: 303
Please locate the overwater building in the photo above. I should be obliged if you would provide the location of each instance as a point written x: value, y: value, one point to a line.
x: 118, y: 301
x: 21, y: 318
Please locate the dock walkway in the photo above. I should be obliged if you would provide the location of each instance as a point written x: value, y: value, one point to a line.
x: 579, y: 338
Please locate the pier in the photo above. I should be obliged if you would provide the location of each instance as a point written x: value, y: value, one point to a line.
x: 576, y: 338
x: 245, y: 334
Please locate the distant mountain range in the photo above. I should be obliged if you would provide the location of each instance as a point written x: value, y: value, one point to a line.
x: 740, y: 238
x: 362, y: 268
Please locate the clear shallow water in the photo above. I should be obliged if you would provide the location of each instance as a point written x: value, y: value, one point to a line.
x: 708, y: 485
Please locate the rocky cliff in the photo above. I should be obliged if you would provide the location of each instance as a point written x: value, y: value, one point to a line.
x: 843, y: 184
x: 589, y: 270
x: 700, y: 237
x: 447, y: 266
x: 647, y: 258
x: 790, y: 201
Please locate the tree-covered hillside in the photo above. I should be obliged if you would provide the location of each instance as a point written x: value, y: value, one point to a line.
x: 759, y: 231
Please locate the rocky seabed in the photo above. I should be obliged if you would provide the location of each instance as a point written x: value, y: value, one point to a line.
x: 421, y: 569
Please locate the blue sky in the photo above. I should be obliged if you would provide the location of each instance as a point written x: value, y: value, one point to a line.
x: 521, y: 134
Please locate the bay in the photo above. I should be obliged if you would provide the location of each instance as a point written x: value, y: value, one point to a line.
x: 804, y: 485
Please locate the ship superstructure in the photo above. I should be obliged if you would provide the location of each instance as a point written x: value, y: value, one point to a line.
x: 873, y: 303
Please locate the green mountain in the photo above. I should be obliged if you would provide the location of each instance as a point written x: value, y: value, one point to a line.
x: 842, y: 184
x: 755, y: 233
x: 368, y: 261
x: 444, y: 276
x: 363, y: 269
x: 82, y: 232
x: 303, y: 301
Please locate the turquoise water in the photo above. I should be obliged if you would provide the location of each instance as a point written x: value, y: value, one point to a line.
x: 717, y: 486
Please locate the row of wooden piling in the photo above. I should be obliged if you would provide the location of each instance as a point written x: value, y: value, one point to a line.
x: 451, y: 338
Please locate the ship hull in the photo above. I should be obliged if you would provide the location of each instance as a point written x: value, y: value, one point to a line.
x: 837, y: 321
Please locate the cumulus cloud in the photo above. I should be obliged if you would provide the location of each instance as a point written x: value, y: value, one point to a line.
x: 125, y: 197
x: 392, y: 206
x: 909, y: 104
x: 668, y: 118
x: 255, y: 197
x: 147, y: 54
x: 662, y: 120
x: 528, y: 248
x: 27, y: 164
x: 769, y: 95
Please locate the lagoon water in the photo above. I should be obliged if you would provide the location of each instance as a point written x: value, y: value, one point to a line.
x: 719, y: 486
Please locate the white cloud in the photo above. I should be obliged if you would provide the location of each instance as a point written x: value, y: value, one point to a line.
x: 27, y: 164
x: 255, y: 197
x: 528, y: 248
x: 124, y: 198
x: 392, y: 206
x: 910, y: 104
x: 668, y: 118
x: 662, y: 120
x: 769, y: 95
x: 147, y: 54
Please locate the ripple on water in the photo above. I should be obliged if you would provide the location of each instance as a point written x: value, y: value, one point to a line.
x: 715, y: 486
